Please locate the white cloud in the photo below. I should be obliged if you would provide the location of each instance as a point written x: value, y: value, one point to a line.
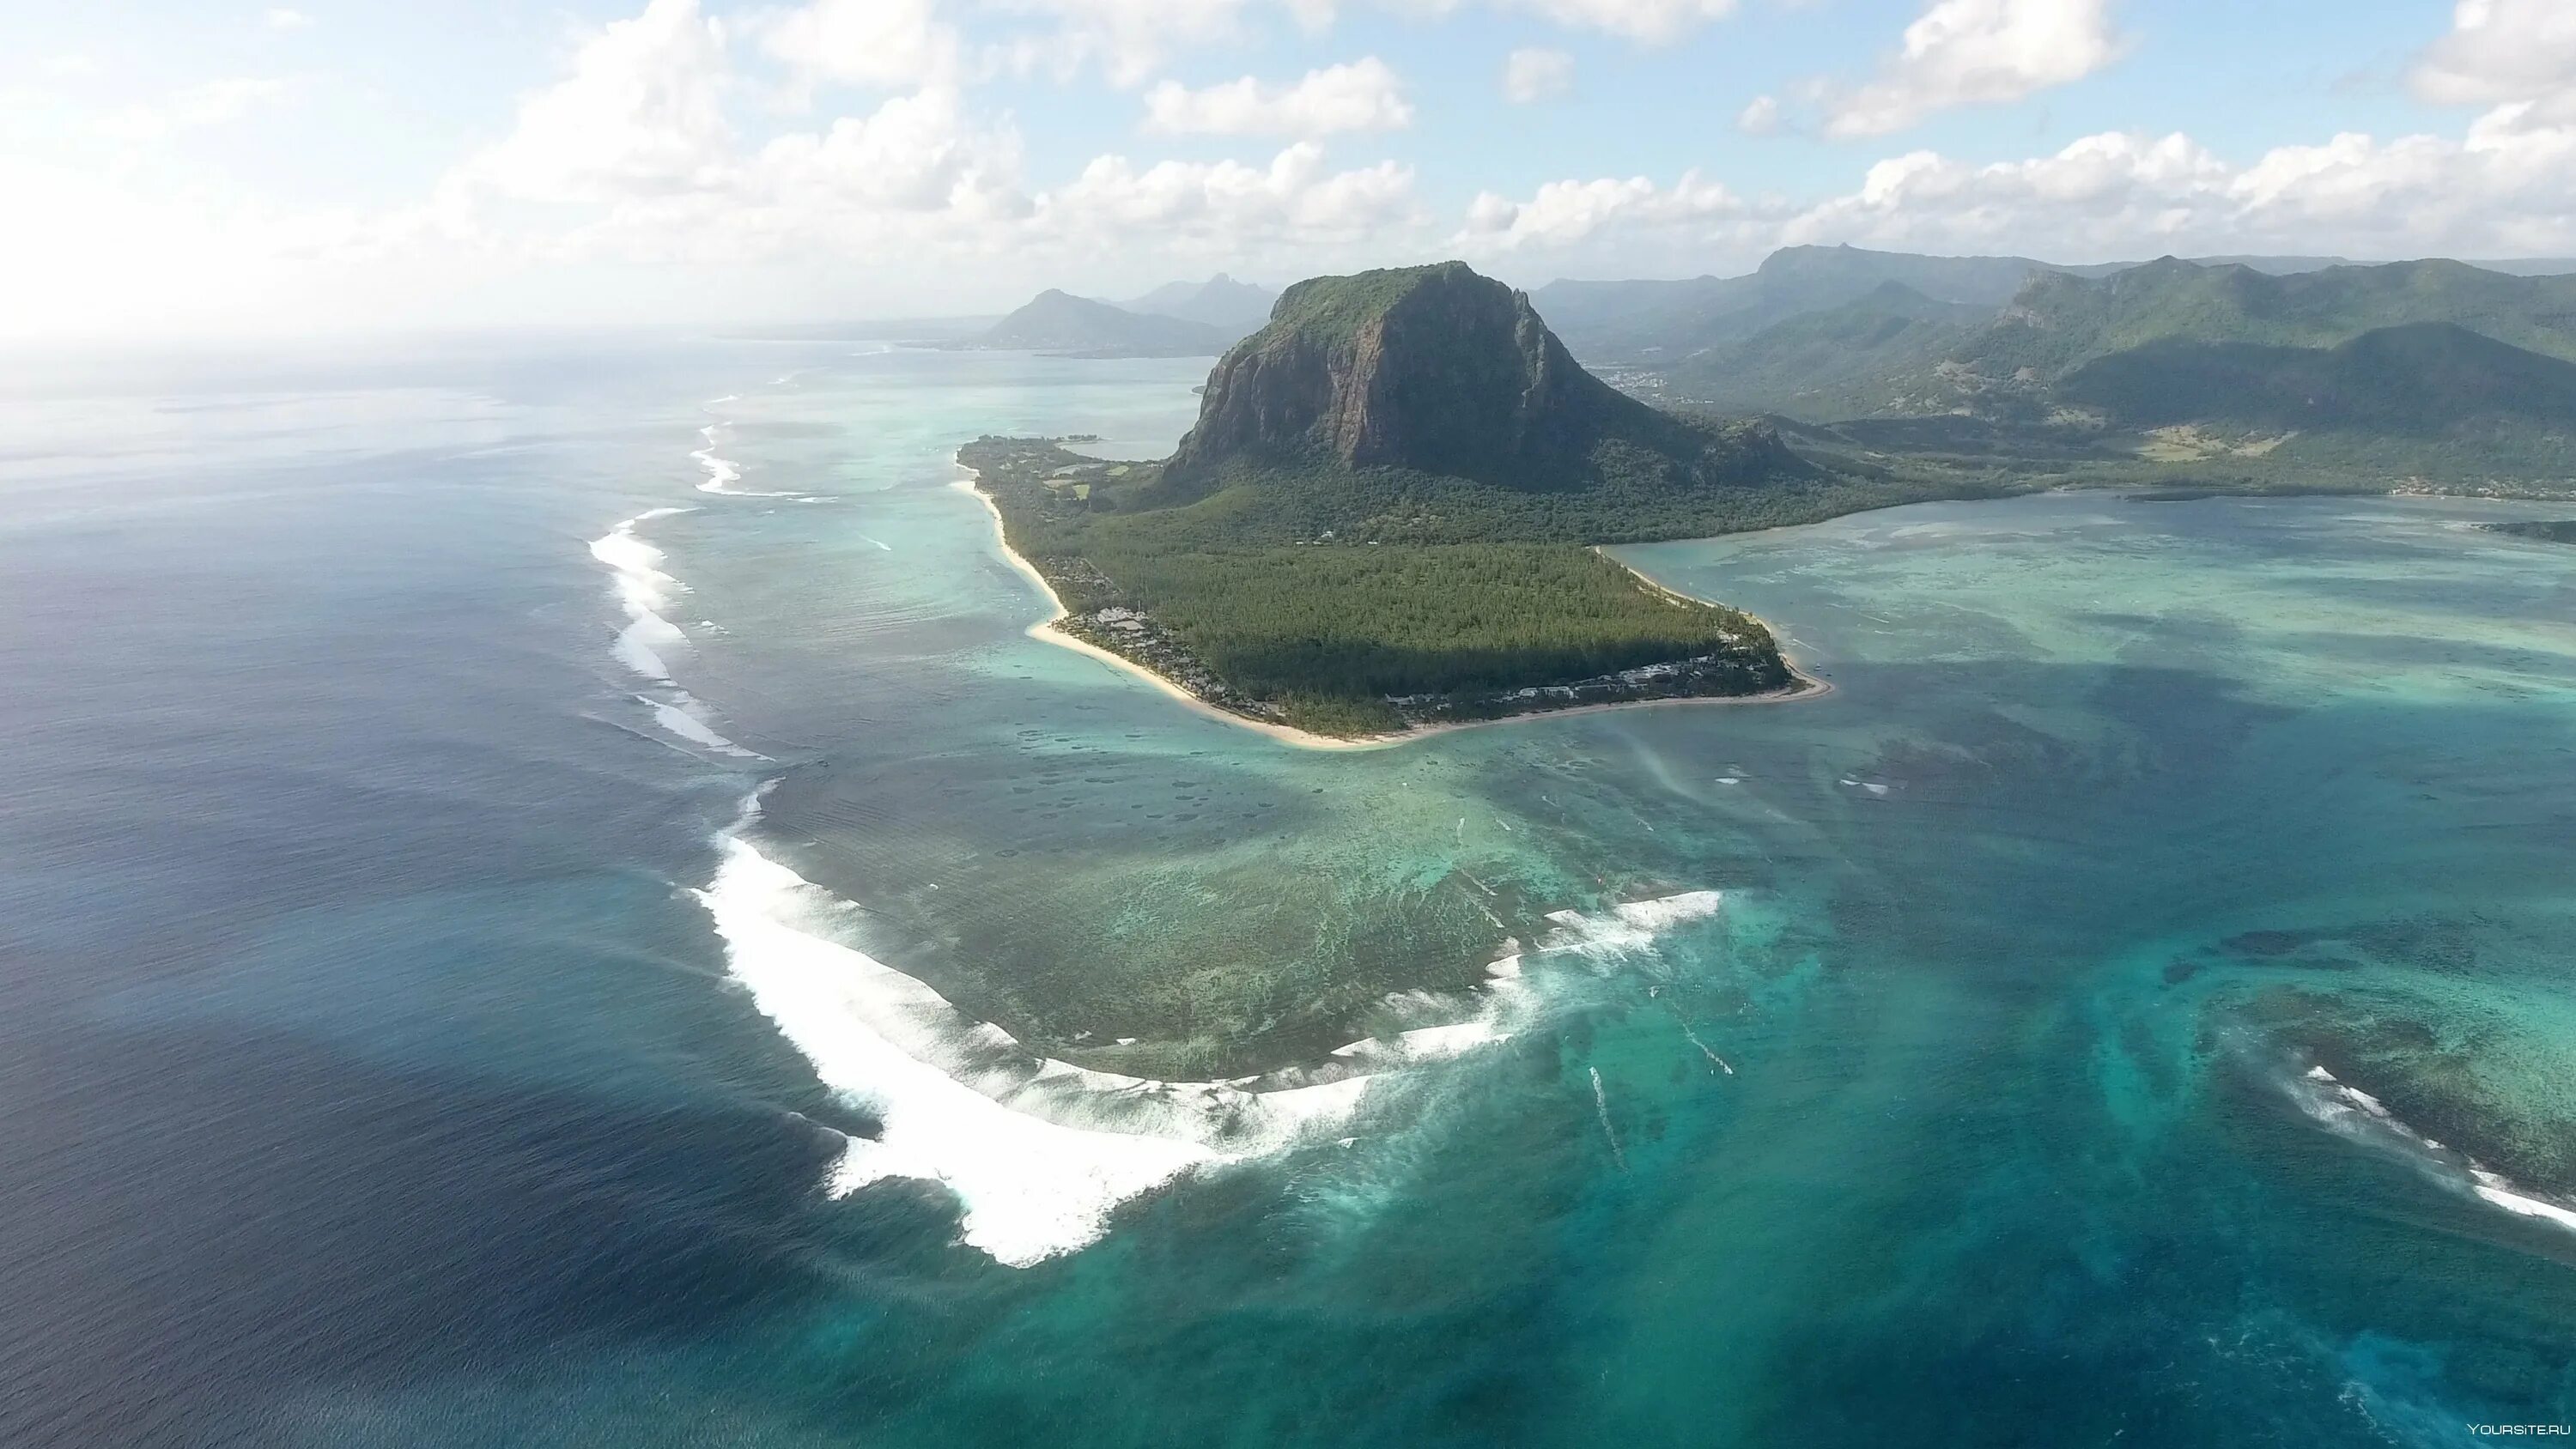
x: 1294, y: 197
x: 1562, y: 213
x: 1979, y: 52
x: 1531, y: 75
x: 2503, y: 50
x: 887, y: 43
x: 1361, y: 96
x: 1128, y: 39
x: 282, y: 18
x: 651, y: 165
x: 70, y: 66
x: 1760, y: 116
x: 636, y: 137
x: 2508, y: 187
x: 1655, y: 21
x: 213, y: 103
x: 641, y: 113
x: 917, y: 153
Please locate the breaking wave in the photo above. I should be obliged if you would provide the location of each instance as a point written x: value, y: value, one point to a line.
x: 2351, y: 1112
x: 1039, y: 1153
x: 644, y: 590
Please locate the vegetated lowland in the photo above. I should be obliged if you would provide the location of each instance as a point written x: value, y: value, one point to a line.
x: 2254, y: 375
x: 1384, y: 517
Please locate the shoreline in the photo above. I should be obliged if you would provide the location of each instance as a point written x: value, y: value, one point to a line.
x: 1805, y: 687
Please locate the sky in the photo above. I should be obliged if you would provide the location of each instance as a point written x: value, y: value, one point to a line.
x: 193, y: 168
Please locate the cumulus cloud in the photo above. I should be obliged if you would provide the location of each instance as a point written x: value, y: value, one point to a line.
x: 1978, y: 52
x: 213, y: 103
x: 282, y: 18
x: 914, y: 153
x: 1760, y: 116
x: 1562, y: 213
x: 1361, y: 96
x: 2501, y: 51
x: 1128, y: 39
x: 641, y: 113
x: 1531, y: 75
x: 2507, y: 187
x: 887, y: 43
x: 1295, y: 196
x: 636, y: 137
x: 653, y: 147
x: 1654, y: 21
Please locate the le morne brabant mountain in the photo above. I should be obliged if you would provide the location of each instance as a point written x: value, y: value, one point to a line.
x: 1384, y: 515
x: 1387, y: 512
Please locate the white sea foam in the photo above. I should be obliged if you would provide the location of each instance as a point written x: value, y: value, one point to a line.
x: 2352, y: 1112
x: 721, y: 473
x: 680, y: 716
x: 1623, y: 929
x: 643, y: 589
x: 1601, y: 1108
x: 1038, y: 1152
x: 1424, y: 1044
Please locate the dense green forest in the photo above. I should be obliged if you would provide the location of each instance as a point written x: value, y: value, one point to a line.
x: 1395, y: 621
x: 1321, y: 632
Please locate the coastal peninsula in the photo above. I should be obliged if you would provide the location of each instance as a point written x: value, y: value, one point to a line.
x: 1384, y: 523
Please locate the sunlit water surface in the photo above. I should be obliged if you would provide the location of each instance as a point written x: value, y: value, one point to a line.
x: 486, y: 832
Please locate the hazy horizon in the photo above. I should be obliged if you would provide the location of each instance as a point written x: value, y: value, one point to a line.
x: 274, y: 170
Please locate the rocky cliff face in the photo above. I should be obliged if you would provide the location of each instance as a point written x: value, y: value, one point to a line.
x: 1430, y: 368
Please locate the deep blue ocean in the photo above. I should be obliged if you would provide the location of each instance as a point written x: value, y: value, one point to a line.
x: 508, y: 847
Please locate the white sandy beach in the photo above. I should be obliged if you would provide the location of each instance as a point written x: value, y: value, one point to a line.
x: 1808, y: 687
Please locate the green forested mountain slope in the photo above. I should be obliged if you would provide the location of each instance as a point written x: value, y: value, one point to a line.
x: 1878, y: 354
x: 2060, y: 322
x: 2425, y: 378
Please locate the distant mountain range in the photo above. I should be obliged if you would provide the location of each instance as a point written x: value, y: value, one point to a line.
x: 1062, y: 322
x: 1220, y: 301
x: 2400, y: 368
x: 1660, y: 323
x: 1184, y: 319
x: 2395, y: 369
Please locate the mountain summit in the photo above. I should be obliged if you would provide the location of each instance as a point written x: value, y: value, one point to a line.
x: 1435, y: 370
x: 1220, y: 301
x: 1061, y: 322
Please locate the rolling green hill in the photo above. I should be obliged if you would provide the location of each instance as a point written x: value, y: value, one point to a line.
x: 1880, y: 353
x: 2424, y: 378
x: 2058, y: 322
x: 1665, y: 324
